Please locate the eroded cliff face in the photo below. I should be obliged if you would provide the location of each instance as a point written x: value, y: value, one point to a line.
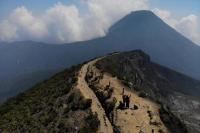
x: 135, y: 70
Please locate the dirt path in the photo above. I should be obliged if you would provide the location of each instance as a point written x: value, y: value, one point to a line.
x: 130, y: 120
x: 145, y: 119
x: 105, y: 125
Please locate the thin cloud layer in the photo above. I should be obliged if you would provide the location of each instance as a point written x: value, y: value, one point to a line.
x: 68, y: 23
x: 188, y: 25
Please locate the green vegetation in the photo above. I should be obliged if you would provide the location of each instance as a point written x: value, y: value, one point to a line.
x: 49, y: 106
x: 126, y: 83
x: 142, y: 94
x: 92, y: 124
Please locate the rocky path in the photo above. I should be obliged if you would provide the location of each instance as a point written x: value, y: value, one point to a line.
x: 105, y: 125
x: 145, y: 119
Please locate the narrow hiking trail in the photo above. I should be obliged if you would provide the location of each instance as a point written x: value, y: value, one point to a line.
x: 145, y: 119
x: 105, y: 125
x: 134, y: 120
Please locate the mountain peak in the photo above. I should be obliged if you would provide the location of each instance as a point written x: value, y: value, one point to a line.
x: 139, y: 18
x: 145, y: 12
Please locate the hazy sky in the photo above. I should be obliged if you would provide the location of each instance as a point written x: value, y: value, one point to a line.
x: 60, y: 21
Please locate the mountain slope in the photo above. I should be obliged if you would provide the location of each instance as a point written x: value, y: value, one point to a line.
x: 86, y: 98
x: 21, y: 82
x: 143, y: 30
x: 54, y: 105
x: 21, y: 60
x: 135, y: 119
x: 156, y: 82
x: 105, y: 124
x: 138, y: 30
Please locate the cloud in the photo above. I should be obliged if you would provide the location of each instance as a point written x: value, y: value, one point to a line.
x: 67, y: 23
x: 26, y: 25
x: 22, y: 25
x: 7, y: 31
x: 166, y: 16
x: 64, y: 23
x: 189, y: 25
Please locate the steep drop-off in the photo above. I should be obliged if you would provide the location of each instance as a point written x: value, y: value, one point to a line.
x: 86, y: 98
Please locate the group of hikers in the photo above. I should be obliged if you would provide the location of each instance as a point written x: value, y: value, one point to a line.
x: 125, y: 101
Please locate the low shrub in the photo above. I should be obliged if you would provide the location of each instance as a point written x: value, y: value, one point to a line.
x: 142, y: 94
x: 92, y: 124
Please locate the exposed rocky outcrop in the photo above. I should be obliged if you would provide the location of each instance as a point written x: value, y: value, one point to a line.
x: 155, y: 82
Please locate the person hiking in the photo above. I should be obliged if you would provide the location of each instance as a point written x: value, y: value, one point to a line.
x: 124, y: 99
x: 127, y: 99
x: 121, y: 105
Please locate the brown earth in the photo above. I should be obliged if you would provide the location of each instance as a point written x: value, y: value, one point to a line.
x: 145, y: 119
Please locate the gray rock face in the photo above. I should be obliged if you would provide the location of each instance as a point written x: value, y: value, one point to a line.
x: 187, y: 109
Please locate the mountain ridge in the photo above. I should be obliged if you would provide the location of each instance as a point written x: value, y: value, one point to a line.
x: 165, y: 48
x: 136, y: 71
x: 97, y: 86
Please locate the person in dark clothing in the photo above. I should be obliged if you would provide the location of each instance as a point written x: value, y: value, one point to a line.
x: 127, y: 99
x: 124, y: 99
x: 121, y: 105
